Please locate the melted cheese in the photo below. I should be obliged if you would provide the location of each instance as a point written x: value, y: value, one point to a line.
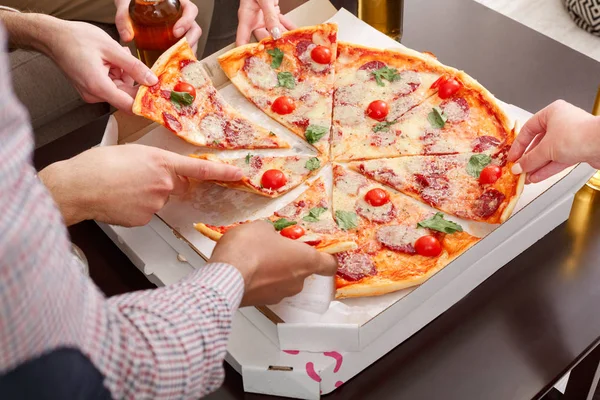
x: 349, y: 115
x: 211, y: 127
x: 261, y: 74
x: 194, y: 74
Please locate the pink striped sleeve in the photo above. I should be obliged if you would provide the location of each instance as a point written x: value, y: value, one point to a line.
x: 163, y: 343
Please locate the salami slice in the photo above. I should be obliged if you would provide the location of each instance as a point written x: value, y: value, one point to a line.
x: 400, y: 237
x: 487, y: 204
x: 353, y: 266
x: 381, y: 214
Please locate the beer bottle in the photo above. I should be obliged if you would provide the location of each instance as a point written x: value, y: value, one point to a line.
x: 153, y: 22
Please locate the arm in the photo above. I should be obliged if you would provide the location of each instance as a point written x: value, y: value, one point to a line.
x: 98, y: 67
x: 30, y: 31
x: 133, y: 183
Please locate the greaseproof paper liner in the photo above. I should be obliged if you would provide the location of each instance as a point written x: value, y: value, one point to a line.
x: 212, y: 204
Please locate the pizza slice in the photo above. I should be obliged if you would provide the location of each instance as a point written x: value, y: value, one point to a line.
x: 401, y: 242
x: 452, y: 114
x: 307, y: 219
x: 269, y: 176
x: 474, y: 186
x: 186, y: 102
x: 290, y: 79
x: 373, y: 86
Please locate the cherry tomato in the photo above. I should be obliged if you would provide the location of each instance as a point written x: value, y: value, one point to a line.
x: 438, y: 82
x: 378, y: 110
x: 273, y: 179
x: 490, y: 174
x: 293, y: 232
x: 377, y: 197
x: 428, y: 246
x: 321, y: 55
x: 185, y: 87
x: 448, y: 88
x: 283, y: 105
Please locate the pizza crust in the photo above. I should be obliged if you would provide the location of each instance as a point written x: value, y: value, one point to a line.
x: 333, y: 248
x: 208, y: 232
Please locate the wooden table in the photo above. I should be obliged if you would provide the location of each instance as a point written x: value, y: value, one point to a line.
x: 516, y: 334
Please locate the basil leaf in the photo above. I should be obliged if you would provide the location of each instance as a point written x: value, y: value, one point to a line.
x: 248, y: 158
x: 286, y: 79
x: 477, y: 163
x: 383, y: 126
x: 314, y: 214
x: 437, y: 118
x: 391, y: 74
x: 314, y: 133
x: 283, y: 223
x: 346, y: 219
x: 438, y: 223
x: 181, y: 98
x: 312, y: 164
x: 216, y: 142
x: 276, y: 57
x: 271, y: 133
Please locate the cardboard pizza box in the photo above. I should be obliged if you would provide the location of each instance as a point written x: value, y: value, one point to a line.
x: 294, y: 352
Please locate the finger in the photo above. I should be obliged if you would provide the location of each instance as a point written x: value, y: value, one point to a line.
x: 261, y: 33
x: 193, y: 34
x: 546, y: 172
x: 123, y: 22
x: 327, y: 264
x: 244, y: 30
x: 271, y: 17
x: 535, y: 126
x: 533, y: 160
x: 286, y: 22
x: 106, y: 90
x: 187, y: 19
x: 181, y: 185
x: 536, y: 141
x: 204, y: 170
x: 131, y: 66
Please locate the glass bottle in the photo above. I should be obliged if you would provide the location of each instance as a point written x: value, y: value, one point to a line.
x: 153, y: 22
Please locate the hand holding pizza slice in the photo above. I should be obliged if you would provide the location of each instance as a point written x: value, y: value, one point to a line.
x: 307, y: 219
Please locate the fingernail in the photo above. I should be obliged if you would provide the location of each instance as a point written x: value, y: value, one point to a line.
x: 151, y: 79
x: 178, y: 32
x: 516, y: 169
x: 276, y: 33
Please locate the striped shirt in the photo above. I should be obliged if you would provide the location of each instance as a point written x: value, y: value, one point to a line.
x: 163, y: 343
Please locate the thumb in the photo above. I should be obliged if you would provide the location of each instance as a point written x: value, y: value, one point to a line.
x: 326, y: 264
x: 203, y: 170
x: 123, y: 22
x: 271, y: 17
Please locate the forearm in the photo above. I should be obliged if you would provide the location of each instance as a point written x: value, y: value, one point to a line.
x: 30, y: 30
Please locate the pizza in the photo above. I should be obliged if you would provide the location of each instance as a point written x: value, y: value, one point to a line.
x: 290, y: 79
x: 390, y: 103
x: 472, y: 186
x: 186, y: 102
x: 401, y: 242
x: 307, y: 219
x: 420, y: 149
x: 269, y: 176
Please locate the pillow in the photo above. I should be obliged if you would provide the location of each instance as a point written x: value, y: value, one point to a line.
x: 586, y: 14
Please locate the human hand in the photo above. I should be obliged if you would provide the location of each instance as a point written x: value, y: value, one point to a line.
x: 555, y: 138
x: 186, y: 25
x: 273, y: 267
x: 263, y: 17
x: 99, y: 68
x: 125, y: 185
